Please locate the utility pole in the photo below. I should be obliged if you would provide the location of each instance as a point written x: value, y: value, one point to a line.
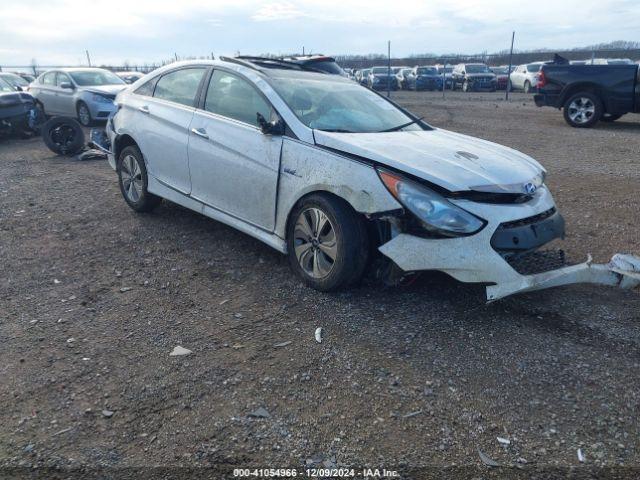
x: 389, y: 68
x: 88, y: 57
x: 176, y: 55
x: 303, y: 50
x: 513, y: 36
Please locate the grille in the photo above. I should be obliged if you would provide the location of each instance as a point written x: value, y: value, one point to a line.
x: 530, y: 263
x: 529, y: 220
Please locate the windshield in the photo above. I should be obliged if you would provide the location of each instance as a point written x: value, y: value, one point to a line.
x: 445, y: 69
x: 15, y: 80
x: 339, y: 106
x: 5, y: 87
x: 427, y: 71
x: 533, y: 67
x: 91, y: 78
x: 499, y: 70
x: 477, y: 69
x: 379, y: 70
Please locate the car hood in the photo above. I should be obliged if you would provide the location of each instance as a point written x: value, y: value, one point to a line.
x: 480, y: 75
x: 110, y: 90
x: 451, y: 160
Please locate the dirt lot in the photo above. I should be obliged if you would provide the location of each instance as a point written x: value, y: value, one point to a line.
x: 94, y: 297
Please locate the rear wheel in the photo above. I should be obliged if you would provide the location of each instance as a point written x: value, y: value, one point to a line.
x: 582, y: 110
x: 133, y: 180
x: 465, y: 86
x: 527, y: 87
x: 327, y: 242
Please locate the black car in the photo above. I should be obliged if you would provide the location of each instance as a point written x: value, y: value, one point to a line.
x: 589, y: 93
x: 473, y: 77
x: 382, y: 78
x: 18, y: 112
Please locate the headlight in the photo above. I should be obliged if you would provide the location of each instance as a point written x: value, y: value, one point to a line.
x: 100, y: 99
x: 434, y: 211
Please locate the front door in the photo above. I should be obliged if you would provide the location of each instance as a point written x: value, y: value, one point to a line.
x: 234, y: 166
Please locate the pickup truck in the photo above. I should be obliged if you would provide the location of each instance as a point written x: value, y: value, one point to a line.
x: 589, y: 93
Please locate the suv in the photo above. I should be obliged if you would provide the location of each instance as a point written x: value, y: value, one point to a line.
x: 525, y: 77
x: 332, y: 174
x: 382, y: 78
x: 473, y: 76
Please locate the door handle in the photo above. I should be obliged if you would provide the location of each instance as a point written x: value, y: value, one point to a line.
x: 201, y: 132
x: 144, y: 109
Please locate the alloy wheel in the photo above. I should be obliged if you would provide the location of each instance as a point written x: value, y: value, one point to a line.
x: 581, y: 110
x: 315, y: 244
x: 131, y: 178
x: 83, y: 115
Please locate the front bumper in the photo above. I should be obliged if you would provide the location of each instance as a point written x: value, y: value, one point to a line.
x: 491, y: 257
x: 102, y: 110
x: 104, y: 139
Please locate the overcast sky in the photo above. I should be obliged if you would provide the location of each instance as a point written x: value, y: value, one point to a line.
x: 137, y: 31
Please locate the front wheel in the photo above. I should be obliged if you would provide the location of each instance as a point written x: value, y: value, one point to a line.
x: 327, y: 242
x: 582, y: 110
x: 84, y: 115
x: 133, y: 180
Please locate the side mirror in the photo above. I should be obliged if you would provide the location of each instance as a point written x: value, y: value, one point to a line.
x: 275, y: 127
x: 66, y: 85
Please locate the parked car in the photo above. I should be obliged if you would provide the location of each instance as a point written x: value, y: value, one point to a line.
x: 447, y: 70
x: 525, y: 77
x: 473, y: 77
x: 18, y: 113
x: 381, y: 78
x: 272, y: 152
x: 84, y: 93
x: 362, y: 76
x: 16, y: 81
x: 424, y: 78
x: 401, y: 78
x: 590, y: 93
x: 130, y: 77
x: 27, y: 76
x: 610, y: 61
x: 502, y: 76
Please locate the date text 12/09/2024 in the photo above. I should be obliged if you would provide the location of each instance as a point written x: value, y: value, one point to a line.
x: 315, y: 473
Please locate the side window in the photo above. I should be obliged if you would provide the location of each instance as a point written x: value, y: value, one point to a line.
x: 146, y: 89
x: 61, y: 78
x: 49, y: 78
x: 180, y: 86
x: 231, y: 96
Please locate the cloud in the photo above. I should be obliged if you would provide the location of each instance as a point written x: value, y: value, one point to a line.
x: 277, y: 11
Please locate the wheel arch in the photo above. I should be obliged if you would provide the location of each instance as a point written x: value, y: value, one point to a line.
x: 121, y: 142
x: 574, y: 88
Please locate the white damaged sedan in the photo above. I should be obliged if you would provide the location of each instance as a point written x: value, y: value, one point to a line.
x: 339, y: 178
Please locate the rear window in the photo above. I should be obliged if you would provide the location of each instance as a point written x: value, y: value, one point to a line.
x: 180, y: 86
x: 534, y: 67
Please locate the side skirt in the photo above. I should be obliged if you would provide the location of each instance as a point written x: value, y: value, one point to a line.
x: 158, y: 188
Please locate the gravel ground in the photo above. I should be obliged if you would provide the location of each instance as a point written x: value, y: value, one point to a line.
x: 94, y: 297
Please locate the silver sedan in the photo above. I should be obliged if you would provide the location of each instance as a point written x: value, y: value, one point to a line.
x: 85, y: 93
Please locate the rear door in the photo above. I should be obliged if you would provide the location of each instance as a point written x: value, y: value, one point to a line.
x: 45, y: 92
x: 234, y: 166
x: 161, y: 121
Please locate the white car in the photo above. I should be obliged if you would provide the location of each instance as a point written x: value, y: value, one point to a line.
x: 331, y: 173
x: 525, y: 77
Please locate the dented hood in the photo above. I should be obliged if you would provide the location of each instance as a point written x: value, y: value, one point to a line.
x: 453, y: 161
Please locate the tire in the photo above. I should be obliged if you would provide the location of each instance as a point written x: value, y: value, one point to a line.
x: 312, y: 262
x: 84, y: 114
x: 527, y: 87
x: 582, y: 110
x: 465, y: 86
x: 609, y: 118
x: 133, y: 180
x: 63, y: 135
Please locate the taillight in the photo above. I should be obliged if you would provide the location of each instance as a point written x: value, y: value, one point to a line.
x: 542, y: 80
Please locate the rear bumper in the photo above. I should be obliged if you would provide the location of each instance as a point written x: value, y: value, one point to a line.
x: 547, y: 100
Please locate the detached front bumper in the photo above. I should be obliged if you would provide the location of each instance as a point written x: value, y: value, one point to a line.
x: 103, y: 139
x: 500, y: 254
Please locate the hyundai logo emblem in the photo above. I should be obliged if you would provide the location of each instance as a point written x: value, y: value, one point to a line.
x: 530, y: 188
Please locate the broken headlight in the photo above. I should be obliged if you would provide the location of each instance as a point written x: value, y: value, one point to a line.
x: 435, y: 213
